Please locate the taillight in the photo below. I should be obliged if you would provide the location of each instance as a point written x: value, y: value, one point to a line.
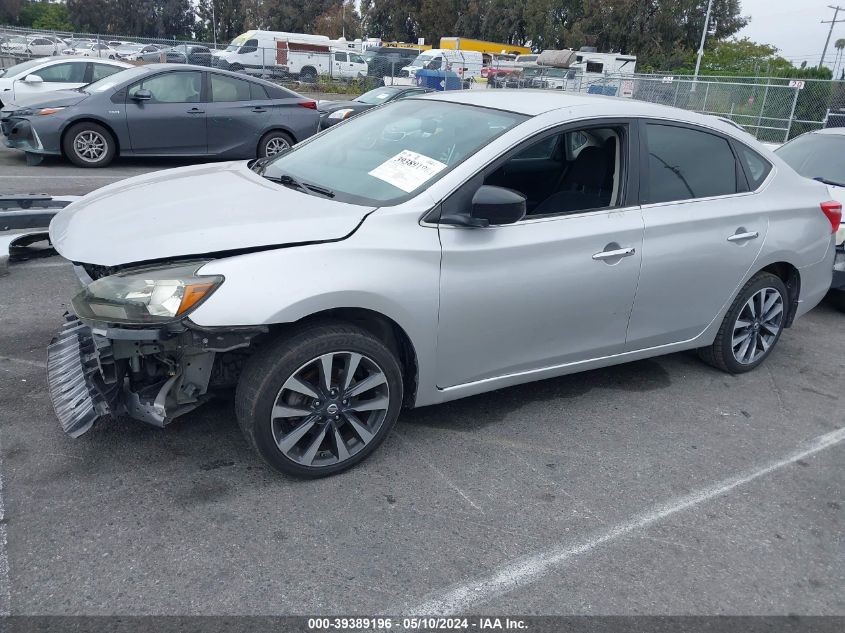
x: 311, y: 105
x: 833, y: 212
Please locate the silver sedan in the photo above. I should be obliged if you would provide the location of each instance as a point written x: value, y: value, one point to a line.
x: 432, y: 249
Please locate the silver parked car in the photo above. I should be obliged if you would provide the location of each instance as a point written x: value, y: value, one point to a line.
x: 434, y: 248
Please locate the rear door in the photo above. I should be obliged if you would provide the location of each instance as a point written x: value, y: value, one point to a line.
x: 236, y: 113
x: 173, y: 121
x: 703, y: 232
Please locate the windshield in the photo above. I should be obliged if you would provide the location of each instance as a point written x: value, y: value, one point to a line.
x: 237, y: 43
x: 369, y: 56
x: 421, y: 60
x: 19, y: 69
x: 388, y: 154
x: 377, y: 96
x: 816, y: 156
x: 106, y: 83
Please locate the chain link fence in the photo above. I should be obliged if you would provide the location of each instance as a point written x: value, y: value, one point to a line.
x: 772, y: 109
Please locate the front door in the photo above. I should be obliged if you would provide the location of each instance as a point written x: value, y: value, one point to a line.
x: 703, y: 233
x: 556, y: 287
x: 173, y: 120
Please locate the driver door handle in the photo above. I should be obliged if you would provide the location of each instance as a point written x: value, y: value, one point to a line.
x: 196, y: 111
x: 615, y: 254
x: 742, y: 237
x: 259, y: 109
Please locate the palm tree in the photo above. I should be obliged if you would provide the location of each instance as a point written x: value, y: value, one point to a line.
x: 840, y: 46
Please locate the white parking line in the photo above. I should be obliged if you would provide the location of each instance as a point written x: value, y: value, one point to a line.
x: 525, y: 571
x: 5, y: 589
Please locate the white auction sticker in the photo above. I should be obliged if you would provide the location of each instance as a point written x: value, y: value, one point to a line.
x: 407, y: 170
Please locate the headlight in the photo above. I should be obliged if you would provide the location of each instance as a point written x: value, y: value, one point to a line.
x: 341, y: 114
x: 45, y: 111
x: 155, y: 295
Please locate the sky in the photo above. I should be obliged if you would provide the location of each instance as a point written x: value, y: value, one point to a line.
x: 795, y: 27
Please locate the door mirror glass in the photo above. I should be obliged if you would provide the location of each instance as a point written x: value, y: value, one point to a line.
x: 498, y: 205
x: 142, y: 95
x: 33, y: 79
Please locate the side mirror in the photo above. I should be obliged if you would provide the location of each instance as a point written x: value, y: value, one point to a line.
x: 143, y: 95
x: 490, y: 205
x: 33, y: 79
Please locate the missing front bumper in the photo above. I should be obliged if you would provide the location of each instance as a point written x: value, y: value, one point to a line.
x: 81, y: 392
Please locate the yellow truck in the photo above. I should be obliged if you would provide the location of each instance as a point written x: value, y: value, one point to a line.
x: 491, y: 48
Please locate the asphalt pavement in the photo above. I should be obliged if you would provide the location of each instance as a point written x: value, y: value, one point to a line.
x: 658, y: 487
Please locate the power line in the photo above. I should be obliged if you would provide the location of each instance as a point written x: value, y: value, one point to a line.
x: 833, y: 22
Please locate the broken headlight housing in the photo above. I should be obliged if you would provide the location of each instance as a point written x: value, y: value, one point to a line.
x: 149, y: 296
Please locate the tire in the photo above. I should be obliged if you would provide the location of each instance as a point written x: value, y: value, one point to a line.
x: 308, y: 76
x: 756, y: 330
x: 236, y: 68
x: 273, y: 143
x: 285, y: 442
x: 89, y: 145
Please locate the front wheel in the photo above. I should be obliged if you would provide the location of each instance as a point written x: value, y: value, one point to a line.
x: 273, y: 143
x: 319, y: 401
x: 89, y: 145
x: 751, y: 327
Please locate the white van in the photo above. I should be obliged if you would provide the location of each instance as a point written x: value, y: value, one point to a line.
x: 467, y: 65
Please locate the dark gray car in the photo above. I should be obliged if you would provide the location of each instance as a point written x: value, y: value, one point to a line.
x: 161, y: 110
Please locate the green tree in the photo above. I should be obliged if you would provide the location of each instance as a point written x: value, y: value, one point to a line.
x: 44, y: 15
x: 741, y: 57
x: 339, y: 19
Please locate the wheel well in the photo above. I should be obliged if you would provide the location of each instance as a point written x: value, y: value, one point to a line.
x: 89, y: 120
x: 277, y: 129
x: 383, y: 328
x: 791, y: 278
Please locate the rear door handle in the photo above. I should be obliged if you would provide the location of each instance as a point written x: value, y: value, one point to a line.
x: 259, y: 109
x: 742, y: 237
x: 615, y: 254
x: 196, y: 111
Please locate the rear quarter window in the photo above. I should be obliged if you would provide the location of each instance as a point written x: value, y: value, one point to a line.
x: 756, y: 167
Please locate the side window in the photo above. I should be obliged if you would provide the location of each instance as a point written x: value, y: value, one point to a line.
x: 69, y: 72
x: 595, y: 67
x: 435, y: 64
x: 757, y: 168
x: 174, y: 87
x: 575, y: 141
x: 684, y: 164
x: 104, y: 70
x: 357, y: 59
x: 557, y: 184
x: 340, y: 57
x: 257, y: 92
x: 225, y: 89
x: 250, y: 46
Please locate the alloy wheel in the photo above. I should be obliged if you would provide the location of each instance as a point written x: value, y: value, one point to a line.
x: 757, y: 325
x: 330, y: 409
x: 275, y: 146
x: 90, y: 146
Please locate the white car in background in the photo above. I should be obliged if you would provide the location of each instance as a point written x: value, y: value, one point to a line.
x: 820, y: 155
x: 38, y: 76
x: 103, y: 51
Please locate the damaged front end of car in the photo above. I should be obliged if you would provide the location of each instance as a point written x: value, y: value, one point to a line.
x: 130, y: 349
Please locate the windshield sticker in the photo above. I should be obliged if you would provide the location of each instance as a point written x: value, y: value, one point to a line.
x: 407, y: 170
x: 383, y: 95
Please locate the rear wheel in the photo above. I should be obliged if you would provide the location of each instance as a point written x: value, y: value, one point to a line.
x: 308, y: 76
x: 273, y: 143
x: 320, y: 400
x: 751, y: 327
x: 89, y: 145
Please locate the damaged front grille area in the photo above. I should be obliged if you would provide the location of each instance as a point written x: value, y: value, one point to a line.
x: 78, y: 390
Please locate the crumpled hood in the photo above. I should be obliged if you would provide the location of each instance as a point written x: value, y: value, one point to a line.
x: 56, y: 98
x: 195, y: 210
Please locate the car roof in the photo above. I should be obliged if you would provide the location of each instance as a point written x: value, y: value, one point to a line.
x: 536, y: 102
x: 837, y: 131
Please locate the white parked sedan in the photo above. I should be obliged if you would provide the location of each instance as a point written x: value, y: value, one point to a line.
x: 430, y: 249
x: 40, y: 76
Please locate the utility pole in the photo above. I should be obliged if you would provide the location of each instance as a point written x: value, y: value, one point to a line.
x: 213, y: 24
x: 833, y: 22
x: 703, y: 37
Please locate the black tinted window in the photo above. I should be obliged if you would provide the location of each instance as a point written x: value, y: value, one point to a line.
x: 257, y: 91
x: 685, y: 164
